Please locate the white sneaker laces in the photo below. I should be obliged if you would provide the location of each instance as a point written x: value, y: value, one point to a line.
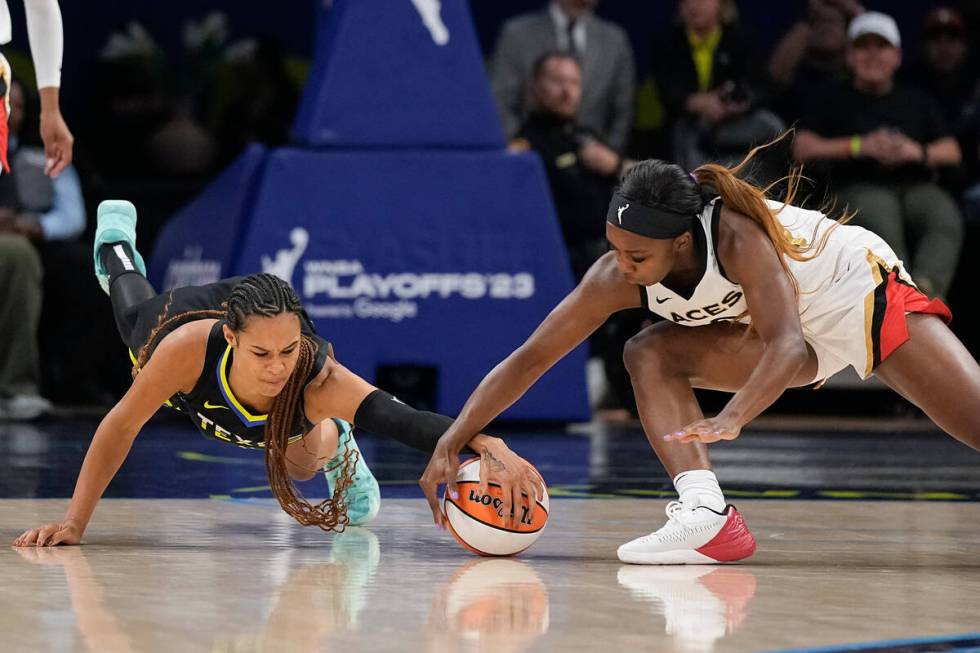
x: 674, y: 509
x: 681, y: 523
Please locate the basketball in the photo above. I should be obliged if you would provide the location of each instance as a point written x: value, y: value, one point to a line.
x: 477, y: 520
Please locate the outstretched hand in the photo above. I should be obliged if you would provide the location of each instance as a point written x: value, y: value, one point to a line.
x: 706, y: 430
x: 442, y: 468
x: 66, y: 532
x: 58, y: 143
x: 499, y: 466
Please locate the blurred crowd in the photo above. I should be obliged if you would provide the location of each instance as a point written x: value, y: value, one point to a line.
x: 155, y: 126
x: 890, y: 132
x: 889, y: 135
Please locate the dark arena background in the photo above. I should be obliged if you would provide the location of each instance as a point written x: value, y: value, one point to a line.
x: 405, y: 166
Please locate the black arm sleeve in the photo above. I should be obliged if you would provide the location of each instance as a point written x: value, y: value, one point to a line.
x: 383, y: 414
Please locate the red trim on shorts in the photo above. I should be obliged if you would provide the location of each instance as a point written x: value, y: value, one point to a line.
x: 4, y: 137
x: 900, y: 298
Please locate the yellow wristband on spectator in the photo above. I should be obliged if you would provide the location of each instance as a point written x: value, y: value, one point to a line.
x: 855, y: 146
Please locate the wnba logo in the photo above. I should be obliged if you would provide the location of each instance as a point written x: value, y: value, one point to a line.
x: 353, y: 291
x: 429, y: 10
x: 285, y: 260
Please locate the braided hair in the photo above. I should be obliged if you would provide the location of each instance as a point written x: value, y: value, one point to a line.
x: 266, y: 295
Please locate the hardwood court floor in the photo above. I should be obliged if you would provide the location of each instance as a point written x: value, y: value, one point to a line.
x: 237, y: 576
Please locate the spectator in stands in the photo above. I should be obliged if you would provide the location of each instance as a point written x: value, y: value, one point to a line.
x: 604, y: 54
x: 811, y: 54
x: 20, y: 311
x: 40, y: 221
x: 711, y: 87
x: 946, y: 70
x: 884, y: 143
x: 582, y: 170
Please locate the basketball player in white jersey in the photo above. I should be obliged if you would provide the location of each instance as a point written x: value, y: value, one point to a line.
x: 759, y: 297
x: 45, y: 33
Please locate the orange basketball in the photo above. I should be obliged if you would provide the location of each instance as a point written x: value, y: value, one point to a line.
x: 477, y: 521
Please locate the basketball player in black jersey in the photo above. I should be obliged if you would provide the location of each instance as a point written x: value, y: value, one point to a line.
x: 240, y: 357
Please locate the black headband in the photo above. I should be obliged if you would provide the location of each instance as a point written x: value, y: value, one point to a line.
x: 647, y: 220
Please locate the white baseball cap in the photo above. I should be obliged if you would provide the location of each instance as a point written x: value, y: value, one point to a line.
x: 875, y: 22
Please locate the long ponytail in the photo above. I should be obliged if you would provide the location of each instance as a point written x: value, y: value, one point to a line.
x: 750, y: 200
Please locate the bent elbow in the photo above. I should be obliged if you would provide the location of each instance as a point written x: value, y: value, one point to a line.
x: 797, y: 353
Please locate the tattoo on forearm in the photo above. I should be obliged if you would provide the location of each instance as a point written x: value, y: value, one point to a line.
x: 495, y: 464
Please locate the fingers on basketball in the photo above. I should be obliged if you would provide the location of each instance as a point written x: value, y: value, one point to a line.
x: 484, y: 479
x: 452, y: 471
x: 537, y: 482
x: 429, y: 490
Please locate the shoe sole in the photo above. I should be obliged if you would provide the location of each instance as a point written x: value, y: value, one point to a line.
x: 687, y: 557
x: 116, y: 222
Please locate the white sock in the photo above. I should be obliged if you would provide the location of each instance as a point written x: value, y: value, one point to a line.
x: 699, y: 487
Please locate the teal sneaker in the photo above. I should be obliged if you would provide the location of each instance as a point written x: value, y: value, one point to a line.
x: 363, y: 497
x: 116, y: 223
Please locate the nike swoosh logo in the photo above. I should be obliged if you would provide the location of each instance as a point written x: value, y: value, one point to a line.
x: 209, y: 405
x: 661, y: 301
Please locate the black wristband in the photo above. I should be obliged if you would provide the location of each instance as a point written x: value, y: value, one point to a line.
x: 384, y: 414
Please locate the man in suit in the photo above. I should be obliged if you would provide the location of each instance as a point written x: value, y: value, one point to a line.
x: 602, y: 49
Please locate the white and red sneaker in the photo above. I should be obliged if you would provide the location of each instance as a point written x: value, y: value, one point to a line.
x: 692, y: 536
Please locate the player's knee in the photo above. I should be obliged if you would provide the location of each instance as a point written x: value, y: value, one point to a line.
x: 299, y: 473
x: 647, y: 352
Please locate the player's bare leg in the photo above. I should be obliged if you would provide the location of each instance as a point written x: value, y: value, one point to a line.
x: 935, y: 372
x: 666, y: 362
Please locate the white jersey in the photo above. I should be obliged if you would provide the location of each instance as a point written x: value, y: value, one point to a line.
x: 836, y: 287
x: 6, y: 33
x: 45, y: 32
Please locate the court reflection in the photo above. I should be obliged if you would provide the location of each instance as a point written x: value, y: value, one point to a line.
x: 306, y: 605
x: 496, y: 604
x: 700, y: 604
x: 138, y: 599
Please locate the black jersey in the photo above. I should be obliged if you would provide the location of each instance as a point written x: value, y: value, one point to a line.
x: 215, y: 410
x: 212, y: 405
